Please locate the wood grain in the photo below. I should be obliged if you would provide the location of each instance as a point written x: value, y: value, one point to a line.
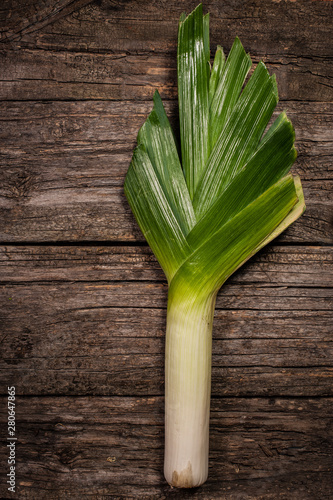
x: 23, y: 17
x: 279, y: 28
x: 41, y: 75
x: 123, y: 51
x: 82, y: 298
x: 103, y: 43
x: 91, y: 320
x: 259, y: 448
x: 274, y: 266
x: 64, y: 164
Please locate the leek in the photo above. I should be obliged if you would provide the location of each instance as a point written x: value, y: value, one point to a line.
x: 205, y: 209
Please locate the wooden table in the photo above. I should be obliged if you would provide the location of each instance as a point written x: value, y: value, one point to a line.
x: 83, y: 298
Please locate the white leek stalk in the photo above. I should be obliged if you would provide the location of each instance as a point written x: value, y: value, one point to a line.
x: 187, y: 390
x: 207, y: 213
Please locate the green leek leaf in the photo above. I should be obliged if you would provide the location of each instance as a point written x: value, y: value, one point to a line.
x: 228, y: 87
x: 271, y: 161
x: 158, y: 139
x: 221, y: 254
x: 192, y: 60
x: 216, y: 73
x: 154, y: 214
x: 239, y: 138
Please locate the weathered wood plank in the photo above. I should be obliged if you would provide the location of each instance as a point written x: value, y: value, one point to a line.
x: 55, y: 127
x: 69, y: 329
x: 122, y: 52
x: 46, y: 75
x: 277, y: 266
x: 259, y: 448
x: 81, y: 297
x: 84, y: 221
x: 276, y: 28
x: 23, y: 17
x: 64, y: 164
x: 264, y: 373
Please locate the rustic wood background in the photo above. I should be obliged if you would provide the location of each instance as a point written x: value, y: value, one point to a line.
x: 83, y: 300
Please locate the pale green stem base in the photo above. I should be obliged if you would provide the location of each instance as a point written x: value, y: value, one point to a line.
x: 187, y: 390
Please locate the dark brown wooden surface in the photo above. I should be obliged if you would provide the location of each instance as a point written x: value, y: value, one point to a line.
x: 83, y: 300
x: 113, y: 447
